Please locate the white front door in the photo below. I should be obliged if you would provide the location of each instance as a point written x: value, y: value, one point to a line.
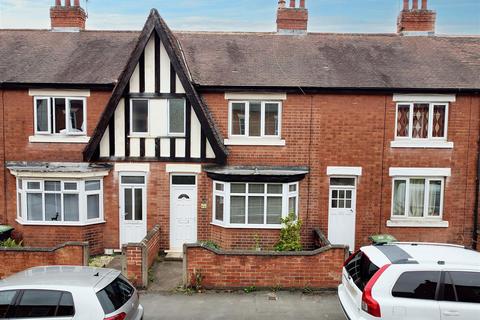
x: 341, y: 213
x: 133, y: 205
x: 183, y: 211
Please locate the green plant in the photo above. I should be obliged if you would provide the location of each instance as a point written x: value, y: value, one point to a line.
x: 11, y: 243
x: 290, y: 234
x: 256, y: 238
x: 210, y: 244
x: 198, y: 278
x: 151, y: 275
x: 250, y: 289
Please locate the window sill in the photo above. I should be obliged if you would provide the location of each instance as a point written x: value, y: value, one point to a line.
x: 59, y: 224
x: 415, y: 223
x: 254, y: 142
x: 243, y: 226
x: 58, y: 139
x: 421, y: 144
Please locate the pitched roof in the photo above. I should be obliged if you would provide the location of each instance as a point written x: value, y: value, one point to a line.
x: 332, y: 60
x: 42, y: 56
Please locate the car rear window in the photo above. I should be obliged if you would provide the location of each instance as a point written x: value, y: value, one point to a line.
x: 361, y: 269
x: 44, y: 303
x: 115, y: 295
x: 462, y: 286
x: 417, y: 285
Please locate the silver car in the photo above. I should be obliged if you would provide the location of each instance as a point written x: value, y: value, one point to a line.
x: 68, y: 292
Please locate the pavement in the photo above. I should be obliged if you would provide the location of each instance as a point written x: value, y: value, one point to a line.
x: 240, y: 305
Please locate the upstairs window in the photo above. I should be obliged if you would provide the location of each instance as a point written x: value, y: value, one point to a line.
x: 139, y: 116
x: 60, y: 116
x: 422, y: 121
x: 255, y: 119
x: 176, y: 117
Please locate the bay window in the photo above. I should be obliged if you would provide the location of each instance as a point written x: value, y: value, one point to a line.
x: 60, y: 116
x: 253, y: 205
x: 55, y: 201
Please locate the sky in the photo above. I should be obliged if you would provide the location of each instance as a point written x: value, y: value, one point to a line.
x: 363, y: 16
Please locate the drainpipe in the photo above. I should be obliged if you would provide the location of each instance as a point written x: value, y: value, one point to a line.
x: 475, y: 209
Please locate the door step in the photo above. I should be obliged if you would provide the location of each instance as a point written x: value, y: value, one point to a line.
x: 174, y: 256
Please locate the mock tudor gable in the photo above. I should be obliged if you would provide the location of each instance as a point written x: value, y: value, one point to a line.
x: 170, y: 122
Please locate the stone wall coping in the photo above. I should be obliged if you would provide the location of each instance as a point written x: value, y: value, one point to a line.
x: 43, y: 249
x: 145, y: 240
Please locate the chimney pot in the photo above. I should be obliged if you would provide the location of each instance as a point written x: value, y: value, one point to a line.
x: 67, y: 3
x: 405, y: 5
x: 302, y: 3
x: 292, y: 3
x: 281, y: 3
x: 58, y: 3
x: 416, y: 22
x: 415, y: 5
x: 424, y: 5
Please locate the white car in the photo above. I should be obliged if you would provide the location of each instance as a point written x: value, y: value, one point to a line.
x: 411, y: 281
x: 69, y: 292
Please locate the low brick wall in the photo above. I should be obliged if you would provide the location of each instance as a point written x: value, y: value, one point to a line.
x: 317, y: 269
x: 139, y: 257
x: 17, y: 259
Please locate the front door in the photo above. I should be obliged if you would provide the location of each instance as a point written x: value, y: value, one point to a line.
x: 341, y: 213
x: 133, y: 213
x: 183, y: 211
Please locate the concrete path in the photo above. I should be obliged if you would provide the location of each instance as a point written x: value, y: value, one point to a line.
x: 167, y: 275
x: 257, y: 305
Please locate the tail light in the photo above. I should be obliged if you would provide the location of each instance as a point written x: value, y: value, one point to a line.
x: 351, y: 257
x: 120, y: 316
x: 370, y: 305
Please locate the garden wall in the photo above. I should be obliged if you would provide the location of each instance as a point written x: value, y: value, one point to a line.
x: 317, y: 269
x: 17, y: 259
x: 139, y: 257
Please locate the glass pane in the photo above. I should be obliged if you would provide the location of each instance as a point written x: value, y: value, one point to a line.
x: 6, y: 299
x: 274, y: 210
x: 438, y: 124
x: 238, y: 119
x: 237, y: 209
x: 34, y: 207
x: 448, y: 290
x: 138, y: 204
x: 255, y: 210
x: 416, y: 285
x: 66, y: 307
x: 348, y: 194
x: 335, y: 194
x: 399, y: 192
x: 183, y: 180
x: 292, y: 188
x: 342, y: 181
x: 334, y: 203
x: 38, y: 304
x: 219, y: 208
x: 274, y: 188
x: 434, y: 196
x: 467, y: 285
x: 93, y: 206
x: 70, y: 186
x: 70, y: 207
x: 53, y: 207
x: 341, y: 203
x: 256, y: 188
x: 33, y: 185
x: 417, y: 194
x: 53, y: 186
x: 237, y: 188
x: 76, y: 116
x: 176, y: 115
x: 115, y: 295
x: 341, y: 194
x: 139, y: 116
x: 219, y: 186
x: 19, y: 201
x: 420, y: 121
x: 403, y: 120
x: 127, y: 198
x: 348, y: 204
x: 133, y: 180
x: 59, y: 115
x: 292, y: 205
x: 92, y: 185
x: 42, y: 115
x: 255, y: 119
x: 271, y: 119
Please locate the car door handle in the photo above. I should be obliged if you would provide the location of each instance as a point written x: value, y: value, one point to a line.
x: 451, y: 313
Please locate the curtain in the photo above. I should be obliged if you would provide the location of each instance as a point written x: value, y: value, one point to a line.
x: 417, y: 196
x: 238, y: 118
x: 34, y: 207
x: 399, y: 189
x: 255, y: 116
x: 434, y: 195
x: 93, y: 206
x: 237, y: 209
x: 42, y: 115
x: 274, y: 210
x: 70, y: 207
x: 271, y: 119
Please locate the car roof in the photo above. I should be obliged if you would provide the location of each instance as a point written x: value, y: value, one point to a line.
x: 422, y: 253
x: 59, y: 277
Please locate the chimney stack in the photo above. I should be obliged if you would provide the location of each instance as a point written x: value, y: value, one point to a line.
x: 67, y: 17
x: 292, y: 20
x: 416, y: 21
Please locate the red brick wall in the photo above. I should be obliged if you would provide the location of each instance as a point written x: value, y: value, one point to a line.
x: 416, y: 20
x: 18, y: 259
x: 239, y: 270
x: 356, y: 130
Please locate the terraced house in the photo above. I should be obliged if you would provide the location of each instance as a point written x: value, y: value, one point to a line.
x: 217, y: 135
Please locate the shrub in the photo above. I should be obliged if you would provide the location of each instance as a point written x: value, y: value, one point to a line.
x: 210, y: 244
x: 11, y: 243
x: 290, y: 234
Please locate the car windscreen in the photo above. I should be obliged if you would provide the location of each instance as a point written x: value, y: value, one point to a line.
x: 115, y: 295
x: 361, y: 269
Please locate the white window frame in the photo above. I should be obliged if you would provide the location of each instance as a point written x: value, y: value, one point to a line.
x: 431, y: 106
x: 426, y: 199
x: 247, y: 119
x: 51, y: 129
x: 285, y: 195
x: 139, y: 134
x: 22, y: 217
x: 177, y: 134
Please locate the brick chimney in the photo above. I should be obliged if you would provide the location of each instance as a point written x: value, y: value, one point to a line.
x: 416, y: 21
x: 67, y: 17
x: 292, y: 19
